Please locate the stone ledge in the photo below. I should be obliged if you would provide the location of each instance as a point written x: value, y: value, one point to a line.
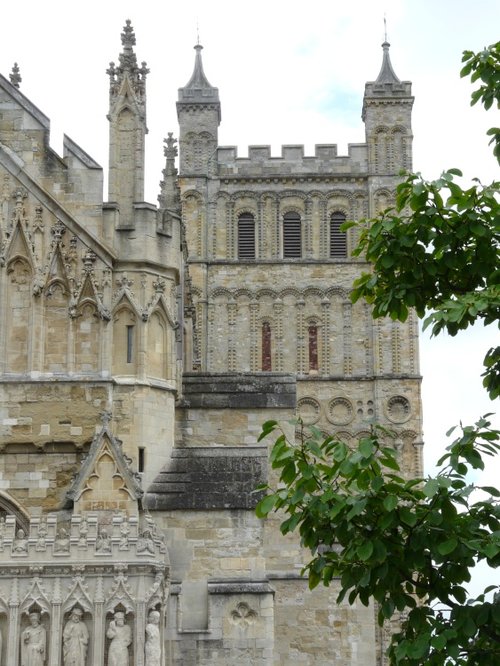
x: 240, y: 391
x: 239, y: 587
x: 209, y: 478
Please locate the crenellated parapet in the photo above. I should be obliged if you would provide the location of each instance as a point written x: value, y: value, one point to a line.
x: 292, y: 162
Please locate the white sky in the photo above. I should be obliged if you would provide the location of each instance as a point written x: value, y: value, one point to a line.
x: 287, y: 73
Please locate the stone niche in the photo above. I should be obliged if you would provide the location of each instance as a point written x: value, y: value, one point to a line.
x: 81, y: 579
x: 87, y: 586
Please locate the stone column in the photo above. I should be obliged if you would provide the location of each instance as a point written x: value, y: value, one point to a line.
x: 347, y: 312
x: 55, y: 628
x: 324, y: 367
x: 301, y: 355
x: 278, y: 346
x: 99, y: 623
x: 232, y: 310
x: 13, y: 635
x: 254, y: 364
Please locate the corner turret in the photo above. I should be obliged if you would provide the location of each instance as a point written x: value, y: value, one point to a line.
x: 199, y: 114
x: 387, y: 106
x: 127, y: 130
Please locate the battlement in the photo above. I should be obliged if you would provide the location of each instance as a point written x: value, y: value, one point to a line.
x: 292, y: 160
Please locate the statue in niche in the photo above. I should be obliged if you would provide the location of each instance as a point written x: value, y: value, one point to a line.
x: 61, y: 543
x: 103, y: 543
x: 20, y: 543
x: 145, y: 543
x: 42, y: 535
x: 75, y: 639
x: 124, y: 533
x: 33, y: 643
x: 121, y: 637
x: 152, y: 650
x: 84, y: 528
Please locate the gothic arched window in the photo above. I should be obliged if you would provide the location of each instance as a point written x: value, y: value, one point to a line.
x: 266, y: 347
x: 313, y: 346
x: 338, y: 238
x: 246, y: 236
x: 292, y: 236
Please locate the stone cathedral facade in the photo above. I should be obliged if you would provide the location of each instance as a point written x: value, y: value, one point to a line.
x: 142, y: 346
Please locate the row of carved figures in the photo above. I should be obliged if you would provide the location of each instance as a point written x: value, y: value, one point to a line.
x: 103, y: 539
x: 76, y: 640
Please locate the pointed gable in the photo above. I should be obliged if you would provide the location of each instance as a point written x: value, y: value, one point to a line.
x: 105, y: 481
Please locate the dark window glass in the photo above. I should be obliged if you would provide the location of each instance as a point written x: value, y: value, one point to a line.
x: 130, y: 344
x: 313, y: 347
x: 266, y: 347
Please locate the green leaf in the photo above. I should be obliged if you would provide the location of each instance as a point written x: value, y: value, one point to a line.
x: 447, y: 546
x: 390, y: 502
x: 265, y: 505
x: 365, y: 550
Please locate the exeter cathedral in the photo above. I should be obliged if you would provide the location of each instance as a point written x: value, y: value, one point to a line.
x: 142, y: 347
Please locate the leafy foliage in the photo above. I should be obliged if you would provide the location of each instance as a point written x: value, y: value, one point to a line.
x: 485, y: 67
x: 407, y: 544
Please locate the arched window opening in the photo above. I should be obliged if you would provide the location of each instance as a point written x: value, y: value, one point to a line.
x: 313, y: 347
x: 338, y: 238
x: 266, y: 347
x: 246, y: 236
x: 292, y: 236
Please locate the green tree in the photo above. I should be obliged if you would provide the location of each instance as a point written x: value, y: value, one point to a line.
x: 410, y: 545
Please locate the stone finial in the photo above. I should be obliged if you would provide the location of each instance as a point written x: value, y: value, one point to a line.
x: 170, y: 149
x: 15, y: 76
x: 128, y: 65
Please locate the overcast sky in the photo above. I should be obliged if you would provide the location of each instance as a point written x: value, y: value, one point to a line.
x: 287, y: 73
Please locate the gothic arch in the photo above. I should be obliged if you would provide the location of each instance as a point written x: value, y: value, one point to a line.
x: 125, y: 338
x: 157, y: 345
x: 18, y: 325
x: 10, y: 506
x: 86, y: 326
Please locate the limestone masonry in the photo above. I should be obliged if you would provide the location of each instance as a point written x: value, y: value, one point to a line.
x: 141, y: 349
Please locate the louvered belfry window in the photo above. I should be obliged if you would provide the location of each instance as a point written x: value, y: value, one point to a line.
x: 246, y: 236
x: 292, y: 236
x: 338, y: 238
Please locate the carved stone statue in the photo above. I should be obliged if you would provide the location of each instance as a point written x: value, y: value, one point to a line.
x: 20, y: 543
x: 145, y: 543
x: 33, y: 643
x: 121, y: 637
x: 152, y: 649
x: 41, y: 543
x: 103, y: 543
x: 61, y: 543
x: 75, y: 640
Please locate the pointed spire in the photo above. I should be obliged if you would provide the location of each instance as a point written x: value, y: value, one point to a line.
x: 386, y: 74
x: 198, y: 89
x: 15, y: 76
